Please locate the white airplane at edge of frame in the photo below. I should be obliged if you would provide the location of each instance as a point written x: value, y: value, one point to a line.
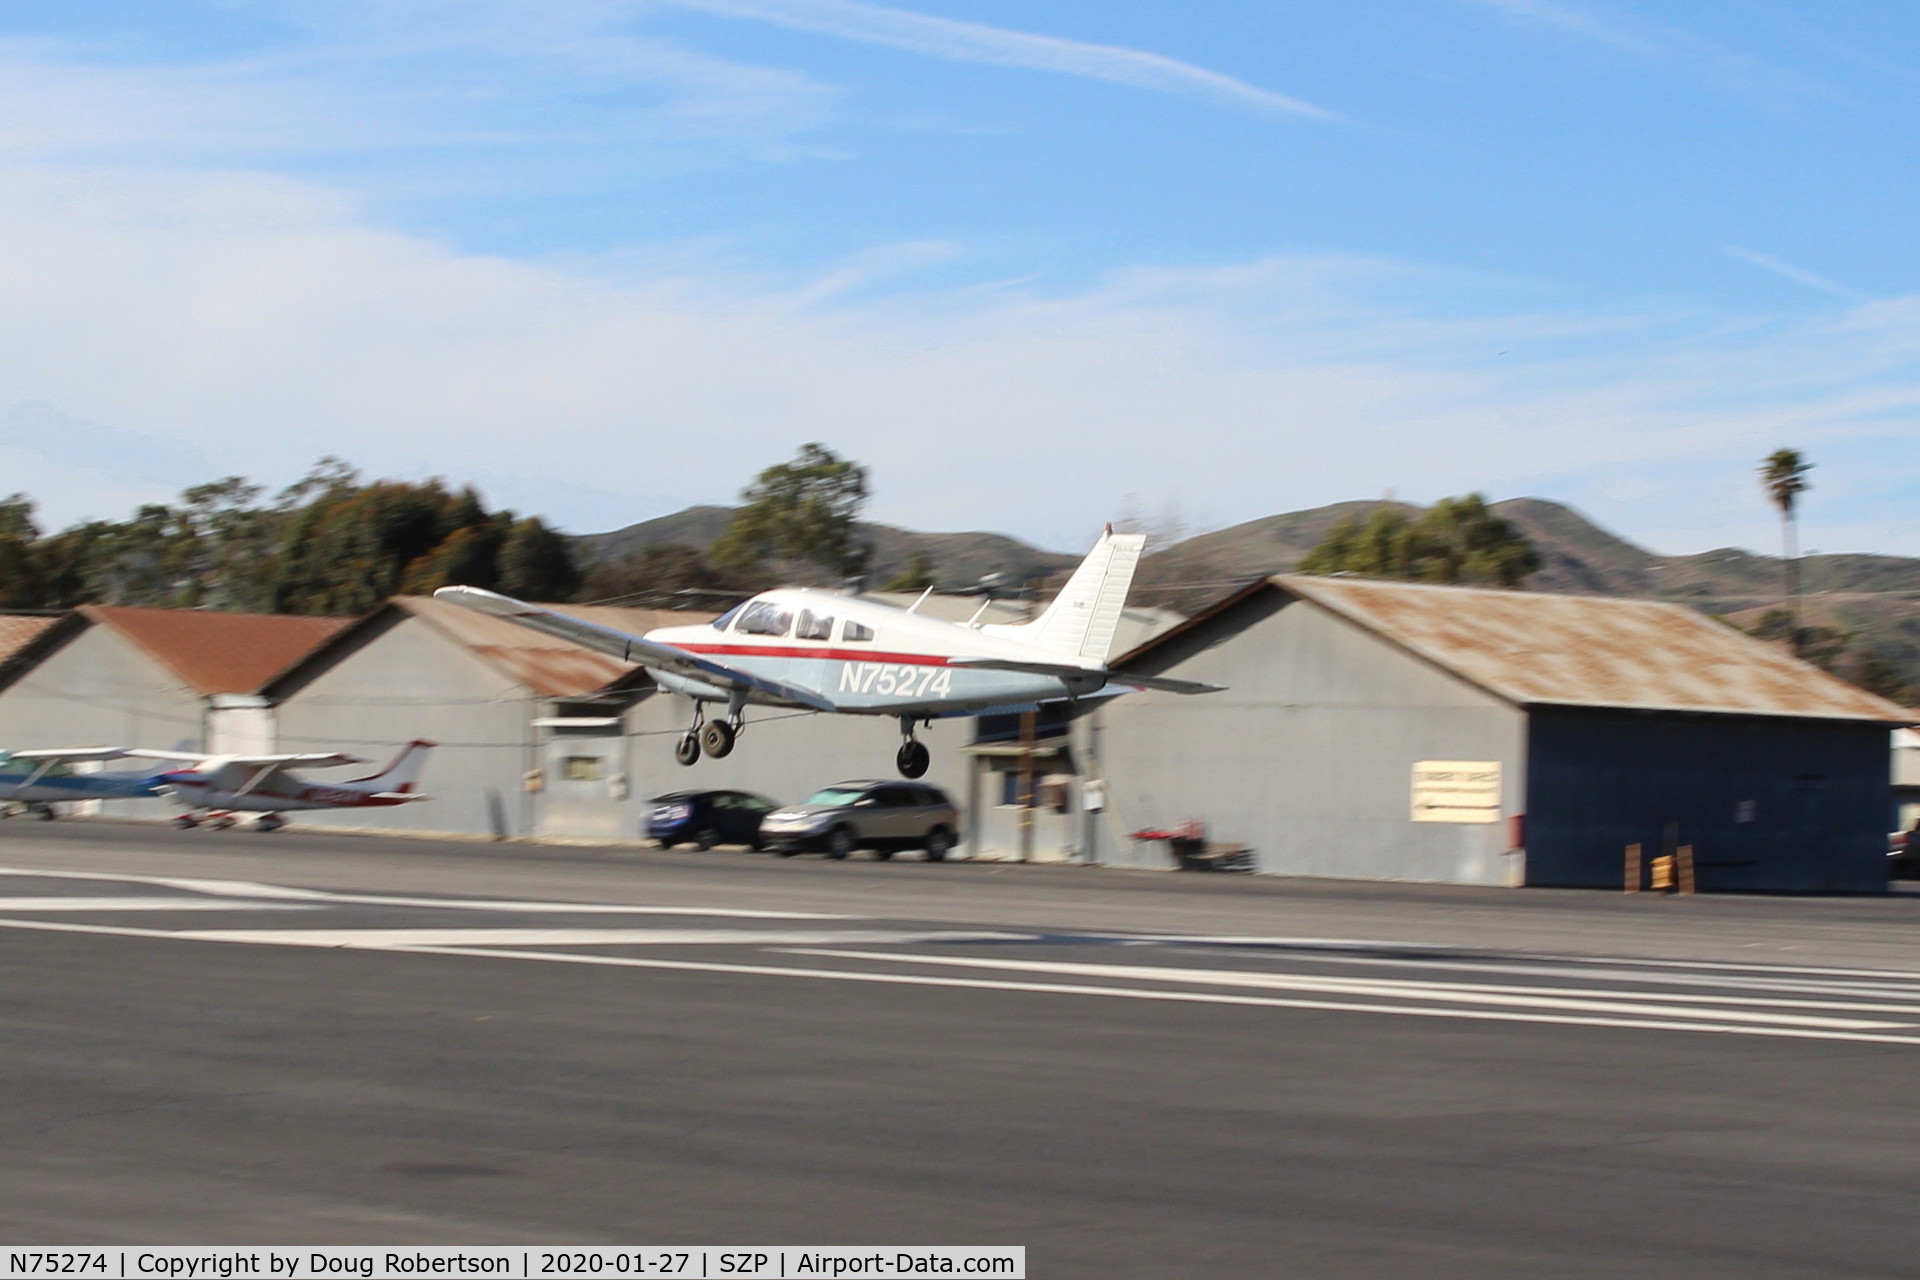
x: 214, y: 788
x: 824, y: 651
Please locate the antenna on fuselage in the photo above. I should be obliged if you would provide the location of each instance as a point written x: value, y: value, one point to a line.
x: 922, y: 600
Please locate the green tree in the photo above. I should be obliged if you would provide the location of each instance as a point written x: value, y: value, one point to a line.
x: 916, y: 576
x: 1455, y: 541
x: 22, y: 580
x: 1783, y: 475
x: 802, y: 516
x: 1877, y: 674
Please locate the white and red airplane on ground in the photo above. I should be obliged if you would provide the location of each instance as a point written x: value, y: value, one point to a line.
x: 218, y: 787
x: 823, y: 651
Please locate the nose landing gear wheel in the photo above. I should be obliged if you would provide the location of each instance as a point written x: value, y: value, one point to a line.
x: 687, y: 750
x: 186, y: 822
x: 716, y: 738
x: 913, y: 758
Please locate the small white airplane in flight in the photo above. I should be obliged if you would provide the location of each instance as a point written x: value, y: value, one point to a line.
x: 43, y: 777
x: 217, y: 787
x: 823, y: 651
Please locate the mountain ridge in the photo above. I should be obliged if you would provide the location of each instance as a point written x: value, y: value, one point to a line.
x: 1877, y: 597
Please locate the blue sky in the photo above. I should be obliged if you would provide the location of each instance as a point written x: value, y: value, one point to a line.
x: 1034, y: 263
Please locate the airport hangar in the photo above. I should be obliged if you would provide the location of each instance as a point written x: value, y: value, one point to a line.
x: 1545, y: 733
x: 1607, y: 722
x: 171, y: 679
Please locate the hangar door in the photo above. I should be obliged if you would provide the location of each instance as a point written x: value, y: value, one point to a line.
x: 583, y: 778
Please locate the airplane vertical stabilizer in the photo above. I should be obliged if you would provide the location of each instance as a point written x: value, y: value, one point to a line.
x: 400, y: 776
x: 1081, y: 621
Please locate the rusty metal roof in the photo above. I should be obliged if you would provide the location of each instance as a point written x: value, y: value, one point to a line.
x: 16, y: 629
x: 550, y: 667
x: 1532, y: 648
x: 216, y: 652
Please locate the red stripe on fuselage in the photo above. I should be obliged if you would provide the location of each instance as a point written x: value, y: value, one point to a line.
x: 788, y: 651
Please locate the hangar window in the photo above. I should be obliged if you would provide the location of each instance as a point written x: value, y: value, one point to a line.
x: 763, y: 618
x: 854, y: 631
x: 813, y: 626
x: 583, y: 769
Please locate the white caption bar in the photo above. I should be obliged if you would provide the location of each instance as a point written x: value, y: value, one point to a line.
x: 708, y: 1262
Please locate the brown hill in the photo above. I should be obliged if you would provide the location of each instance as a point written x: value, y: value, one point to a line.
x: 958, y: 560
x: 1877, y: 598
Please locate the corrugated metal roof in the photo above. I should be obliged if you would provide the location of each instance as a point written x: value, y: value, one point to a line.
x: 1532, y: 648
x: 216, y: 652
x: 550, y: 667
x: 17, y: 629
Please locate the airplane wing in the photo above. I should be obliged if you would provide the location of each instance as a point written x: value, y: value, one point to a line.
x: 60, y: 755
x: 628, y: 648
x: 1064, y: 670
x: 302, y: 760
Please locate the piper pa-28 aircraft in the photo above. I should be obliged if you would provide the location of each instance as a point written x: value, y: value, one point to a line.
x: 824, y: 651
x: 217, y: 787
x: 43, y: 777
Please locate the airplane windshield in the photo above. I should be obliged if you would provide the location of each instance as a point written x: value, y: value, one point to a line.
x: 836, y: 796
x: 725, y: 620
x: 764, y: 618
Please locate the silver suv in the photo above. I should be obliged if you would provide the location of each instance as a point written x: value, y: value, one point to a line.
x: 881, y: 816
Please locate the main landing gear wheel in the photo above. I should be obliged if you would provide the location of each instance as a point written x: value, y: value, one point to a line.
x: 913, y: 758
x: 269, y: 822
x: 716, y: 738
x: 186, y: 822
x: 687, y: 750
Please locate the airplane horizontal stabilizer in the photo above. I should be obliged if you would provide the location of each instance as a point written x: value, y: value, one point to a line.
x: 1163, y: 684
x: 1065, y: 671
x: 628, y: 648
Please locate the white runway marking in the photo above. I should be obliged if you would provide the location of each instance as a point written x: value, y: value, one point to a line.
x: 143, y: 904
x: 248, y: 889
x: 405, y: 939
x: 1594, y: 1001
x: 1030, y: 987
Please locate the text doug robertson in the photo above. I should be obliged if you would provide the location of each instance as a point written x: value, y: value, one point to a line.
x: 272, y: 1263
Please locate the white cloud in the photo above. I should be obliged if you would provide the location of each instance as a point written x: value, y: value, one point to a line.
x: 259, y: 323
x: 1799, y: 275
x: 1692, y: 56
x: 976, y: 42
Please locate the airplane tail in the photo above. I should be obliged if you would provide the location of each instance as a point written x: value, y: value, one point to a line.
x: 1082, y: 619
x: 400, y: 776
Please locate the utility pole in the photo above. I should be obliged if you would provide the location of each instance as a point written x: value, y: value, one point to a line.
x: 1027, y: 719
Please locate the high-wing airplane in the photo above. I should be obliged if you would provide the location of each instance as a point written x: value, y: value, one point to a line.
x: 217, y: 787
x: 823, y: 651
x: 43, y: 777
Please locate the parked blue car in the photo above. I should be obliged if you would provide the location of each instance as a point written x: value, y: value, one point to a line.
x: 707, y: 818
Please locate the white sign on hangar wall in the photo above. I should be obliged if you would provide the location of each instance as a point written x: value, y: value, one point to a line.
x: 1456, y: 791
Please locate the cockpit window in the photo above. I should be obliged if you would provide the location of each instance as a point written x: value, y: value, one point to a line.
x: 764, y: 618
x: 854, y: 631
x: 813, y: 626
x: 725, y: 620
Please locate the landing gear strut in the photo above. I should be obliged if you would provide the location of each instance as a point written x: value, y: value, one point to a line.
x: 714, y: 737
x: 913, y: 756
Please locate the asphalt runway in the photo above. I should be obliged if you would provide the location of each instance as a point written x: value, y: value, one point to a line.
x: 325, y: 1039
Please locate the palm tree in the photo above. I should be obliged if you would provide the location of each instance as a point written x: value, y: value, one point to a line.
x: 1783, y: 474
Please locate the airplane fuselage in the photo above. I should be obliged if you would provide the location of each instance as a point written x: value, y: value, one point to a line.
x: 64, y: 787
x: 287, y: 796
x: 866, y: 658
